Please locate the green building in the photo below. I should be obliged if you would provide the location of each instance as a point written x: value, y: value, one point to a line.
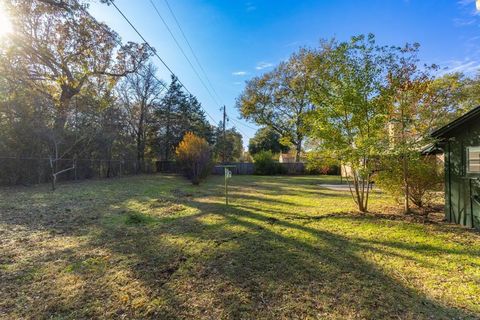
x: 460, y: 143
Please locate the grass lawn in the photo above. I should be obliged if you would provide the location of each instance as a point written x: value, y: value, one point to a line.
x: 157, y: 247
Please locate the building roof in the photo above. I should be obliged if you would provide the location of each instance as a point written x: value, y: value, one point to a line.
x: 472, y: 114
x: 432, y: 149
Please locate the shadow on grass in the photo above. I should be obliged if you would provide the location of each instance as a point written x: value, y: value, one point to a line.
x: 224, y: 262
x: 267, y: 267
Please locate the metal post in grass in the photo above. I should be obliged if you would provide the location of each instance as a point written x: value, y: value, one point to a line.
x: 228, y: 176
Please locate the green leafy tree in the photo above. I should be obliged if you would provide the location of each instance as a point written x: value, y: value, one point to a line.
x: 279, y: 100
x: 229, y: 148
x: 266, y: 139
x: 177, y: 114
x: 347, y: 87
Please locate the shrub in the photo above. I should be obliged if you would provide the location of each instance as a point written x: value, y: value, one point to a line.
x: 424, y: 178
x: 265, y: 165
x: 194, y: 157
x: 318, y: 163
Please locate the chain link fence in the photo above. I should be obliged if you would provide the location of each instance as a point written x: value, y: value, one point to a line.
x: 27, y: 171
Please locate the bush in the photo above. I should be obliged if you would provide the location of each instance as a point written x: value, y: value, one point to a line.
x: 194, y: 157
x: 265, y: 165
x: 318, y: 163
x: 330, y: 170
x: 425, y: 177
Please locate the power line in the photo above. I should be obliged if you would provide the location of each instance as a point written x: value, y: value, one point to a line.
x: 191, y: 49
x: 156, y: 54
x: 236, y: 128
x: 117, y: 41
x: 243, y: 124
x: 164, y: 63
x: 182, y: 51
x: 194, y: 56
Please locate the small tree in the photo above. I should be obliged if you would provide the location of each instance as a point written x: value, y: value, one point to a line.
x: 194, y: 156
x: 420, y: 101
x: 347, y: 89
x: 424, y: 178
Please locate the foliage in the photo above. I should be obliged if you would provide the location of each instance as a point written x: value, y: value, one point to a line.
x: 58, y: 52
x: 194, y: 156
x: 347, y: 88
x: 230, y: 148
x: 279, y: 100
x: 266, y: 139
x: 246, y: 157
x: 419, y: 102
x: 317, y: 163
x: 468, y: 93
x: 425, y: 177
x: 70, y: 89
x: 265, y: 165
x: 61, y: 65
x: 176, y: 114
x: 139, y: 93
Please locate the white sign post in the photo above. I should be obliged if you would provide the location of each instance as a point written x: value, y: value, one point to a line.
x: 227, y: 169
x: 228, y: 176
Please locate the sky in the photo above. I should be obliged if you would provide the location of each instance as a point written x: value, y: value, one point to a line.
x: 235, y: 40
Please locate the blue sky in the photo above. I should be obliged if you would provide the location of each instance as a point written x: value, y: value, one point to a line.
x: 237, y: 39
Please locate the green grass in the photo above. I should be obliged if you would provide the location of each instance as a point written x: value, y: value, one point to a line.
x: 157, y: 247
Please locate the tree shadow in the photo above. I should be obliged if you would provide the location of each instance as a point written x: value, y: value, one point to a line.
x: 267, y: 267
x: 216, y: 262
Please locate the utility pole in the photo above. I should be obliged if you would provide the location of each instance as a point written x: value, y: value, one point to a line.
x: 224, y: 134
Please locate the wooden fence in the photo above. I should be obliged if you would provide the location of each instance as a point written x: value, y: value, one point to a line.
x: 241, y: 168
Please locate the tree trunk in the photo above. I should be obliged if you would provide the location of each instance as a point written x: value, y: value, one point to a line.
x: 406, y: 204
x: 141, y: 139
x: 406, y: 199
x: 62, y: 110
x: 298, y: 151
x: 140, y: 155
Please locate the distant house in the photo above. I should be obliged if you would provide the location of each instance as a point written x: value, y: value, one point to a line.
x: 460, y: 143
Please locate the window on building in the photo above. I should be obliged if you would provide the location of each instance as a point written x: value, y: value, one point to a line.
x: 473, y: 160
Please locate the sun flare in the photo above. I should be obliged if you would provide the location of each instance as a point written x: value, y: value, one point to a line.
x: 5, y: 24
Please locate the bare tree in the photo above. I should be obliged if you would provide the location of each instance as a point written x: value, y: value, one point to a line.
x: 139, y: 94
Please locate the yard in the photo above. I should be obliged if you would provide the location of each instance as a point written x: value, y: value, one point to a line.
x: 157, y: 247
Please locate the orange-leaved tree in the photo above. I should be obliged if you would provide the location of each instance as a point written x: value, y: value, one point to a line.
x: 194, y: 156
